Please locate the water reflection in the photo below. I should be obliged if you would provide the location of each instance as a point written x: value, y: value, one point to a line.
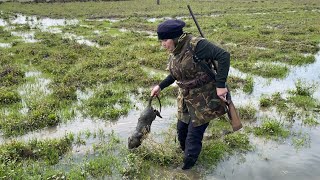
x: 45, y: 25
x: 123, y: 127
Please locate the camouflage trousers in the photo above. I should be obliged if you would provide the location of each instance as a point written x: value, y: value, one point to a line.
x: 199, y: 105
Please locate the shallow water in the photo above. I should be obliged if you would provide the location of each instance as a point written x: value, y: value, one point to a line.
x: 273, y: 161
x: 5, y: 45
x: 45, y: 25
x: 308, y: 73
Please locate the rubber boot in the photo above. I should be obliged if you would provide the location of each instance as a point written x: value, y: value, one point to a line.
x: 188, y: 163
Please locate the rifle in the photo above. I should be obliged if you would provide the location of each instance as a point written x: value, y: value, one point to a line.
x: 231, y: 109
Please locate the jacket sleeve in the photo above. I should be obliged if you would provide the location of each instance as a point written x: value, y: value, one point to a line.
x: 167, y: 82
x: 207, y: 50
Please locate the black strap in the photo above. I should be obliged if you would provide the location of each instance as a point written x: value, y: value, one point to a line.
x: 203, y: 65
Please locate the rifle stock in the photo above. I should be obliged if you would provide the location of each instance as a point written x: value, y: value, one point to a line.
x: 231, y: 109
x: 233, y: 115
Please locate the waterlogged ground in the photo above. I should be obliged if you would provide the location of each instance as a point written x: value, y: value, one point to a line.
x: 74, y: 79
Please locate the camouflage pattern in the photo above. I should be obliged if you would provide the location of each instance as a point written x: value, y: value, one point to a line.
x: 199, y: 105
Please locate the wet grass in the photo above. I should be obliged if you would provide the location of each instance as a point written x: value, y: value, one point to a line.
x: 301, y: 140
x: 311, y: 121
x: 48, y: 151
x: 247, y: 113
x: 10, y: 75
x: 271, y: 129
x: 5, y: 36
x: 302, y: 96
x: 39, y: 116
x: 109, y: 102
x: 239, y: 83
x: 9, y: 96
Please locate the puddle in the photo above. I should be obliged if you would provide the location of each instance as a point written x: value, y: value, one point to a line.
x: 3, y: 22
x: 26, y: 36
x: 5, y: 45
x: 42, y: 23
x: 80, y: 40
x: 153, y: 20
x: 40, y: 85
x: 261, y: 48
x: 31, y: 90
x: 123, y: 30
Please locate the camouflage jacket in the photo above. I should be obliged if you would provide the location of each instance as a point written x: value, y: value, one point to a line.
x: 200, y: 104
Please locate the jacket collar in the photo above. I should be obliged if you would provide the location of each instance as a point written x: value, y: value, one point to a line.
x: 182, y: 44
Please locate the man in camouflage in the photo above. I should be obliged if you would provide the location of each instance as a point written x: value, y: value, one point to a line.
x: 200, y: 98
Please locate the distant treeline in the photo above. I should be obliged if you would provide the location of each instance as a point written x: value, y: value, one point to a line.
x: 59, y: 1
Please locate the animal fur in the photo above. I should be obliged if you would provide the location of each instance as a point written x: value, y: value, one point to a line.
x: 145, y: 120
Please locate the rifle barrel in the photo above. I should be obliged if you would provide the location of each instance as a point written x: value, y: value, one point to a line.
x: 195, y: 20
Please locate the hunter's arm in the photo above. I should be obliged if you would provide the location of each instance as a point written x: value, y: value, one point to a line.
x: 167, y: 82
x: 207, y: 50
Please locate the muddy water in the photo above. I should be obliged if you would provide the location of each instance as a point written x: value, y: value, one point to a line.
x: 270, y: 160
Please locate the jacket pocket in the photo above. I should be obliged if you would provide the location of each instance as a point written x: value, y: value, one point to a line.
x: 205, y: 101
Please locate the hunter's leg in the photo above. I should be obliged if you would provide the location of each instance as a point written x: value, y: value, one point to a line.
x: 193, y: 144
x: 183, y: 121
x: 182, y: 131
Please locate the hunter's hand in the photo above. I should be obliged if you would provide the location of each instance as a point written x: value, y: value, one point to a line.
x: 222, y: 93
x: 155, y: 91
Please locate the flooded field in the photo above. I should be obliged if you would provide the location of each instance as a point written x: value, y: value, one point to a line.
x: 75, y: 78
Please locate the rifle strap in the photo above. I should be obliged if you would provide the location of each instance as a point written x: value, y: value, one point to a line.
x: 204, y: 66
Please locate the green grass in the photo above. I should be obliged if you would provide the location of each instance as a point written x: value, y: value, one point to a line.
x: 271, y: 129
x: 247, y: 113
x: 265, y: 102
x: 302, y: 96
x: 110, y: 102
x: 49, y: 151
x: 311, y: 121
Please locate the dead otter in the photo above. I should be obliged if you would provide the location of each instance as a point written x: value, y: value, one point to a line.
x: 147, y: 116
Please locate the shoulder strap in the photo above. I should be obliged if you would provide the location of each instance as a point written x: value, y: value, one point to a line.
x: 194, y: 41
x: 196, y: 59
